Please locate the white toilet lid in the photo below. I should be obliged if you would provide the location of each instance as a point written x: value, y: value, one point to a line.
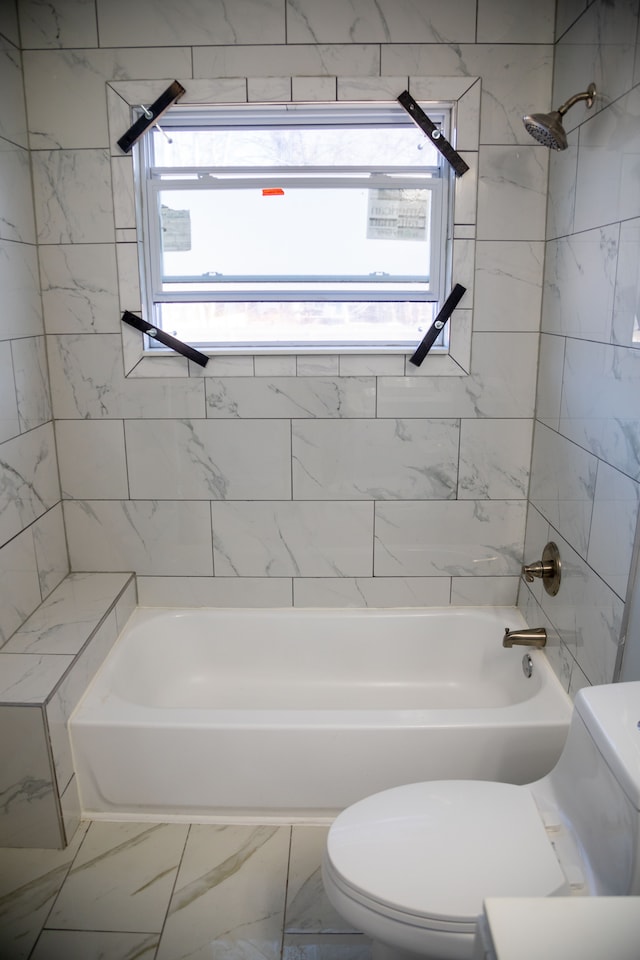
x: 435, y: 850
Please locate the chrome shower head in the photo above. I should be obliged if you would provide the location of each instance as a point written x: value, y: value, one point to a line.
x: 547, y: 127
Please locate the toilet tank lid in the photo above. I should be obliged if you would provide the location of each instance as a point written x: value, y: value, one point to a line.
x: 611, y: 714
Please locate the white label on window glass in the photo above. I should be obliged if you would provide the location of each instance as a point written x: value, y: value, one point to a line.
x: 176, y: 230
x: 397, y: 214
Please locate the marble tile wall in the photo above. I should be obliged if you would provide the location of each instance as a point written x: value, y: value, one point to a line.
x: 585, y: 476
x: 280, y: 480
x: 33, y: 552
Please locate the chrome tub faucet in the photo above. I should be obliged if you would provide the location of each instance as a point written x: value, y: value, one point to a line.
x: 529, y: 637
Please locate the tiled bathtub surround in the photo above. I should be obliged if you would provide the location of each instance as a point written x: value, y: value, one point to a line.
x: 585, y: 475
x: 44, y: 670
x: 274, y: 480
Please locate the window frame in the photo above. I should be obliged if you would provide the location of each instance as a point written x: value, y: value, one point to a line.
x: 153, y: 179
x: 462, y: 93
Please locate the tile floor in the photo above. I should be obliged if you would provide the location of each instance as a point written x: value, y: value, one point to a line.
x: 149, y: 891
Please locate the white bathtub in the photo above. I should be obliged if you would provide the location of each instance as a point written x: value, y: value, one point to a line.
x: 206, y: 713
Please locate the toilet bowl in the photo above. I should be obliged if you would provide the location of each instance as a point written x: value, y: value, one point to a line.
x: 411, y: 866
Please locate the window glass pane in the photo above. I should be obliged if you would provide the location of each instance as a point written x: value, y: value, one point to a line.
x: 324, y: 323
x: 298, y: 147
x: 301, y: 232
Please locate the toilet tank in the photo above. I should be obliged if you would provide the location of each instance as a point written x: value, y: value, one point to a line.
x: 596, y: 784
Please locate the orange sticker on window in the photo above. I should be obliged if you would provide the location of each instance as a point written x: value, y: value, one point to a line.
x: 273, y: 192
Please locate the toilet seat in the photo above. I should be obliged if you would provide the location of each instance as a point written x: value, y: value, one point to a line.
x: 427, y: 854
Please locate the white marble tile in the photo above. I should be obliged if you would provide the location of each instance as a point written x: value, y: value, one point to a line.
x: 64, y: 85
x: 561, y: 197
x: 30, y: 678
x: 538, y: 533
x: 512, y: 193
x: 13, y: 122
x: 599, y: 402
x: 121, y: 878
x: 228, y: 900
x: 73, y: 198
x: 126, y: 604
x: 326, y: 946
x: 587, y: 614
x: 87, y: 381
x: 389, y: 21
x: 157, y: 22
x: 51, y: 549
x: 19, y: 585
x: 68, y: 23
x: 209, y: 459
x: 29, y: 883
x: 626, y: 306
x: 375, y: 459
x: 21, y: 315
x: 66, y: 619
x: 484, y: 591
x: 291, y: 397
x: 550, y: 372
x: 155, y: 538
x: 508, y: 285
x: 522, y: 22
x: 454, y: 538
x: 502, y: 384
x: 9, y: 420
x: 613, y: 527
x: 268, y: 89
x: 29, y: 480
x: 92, y: 459
x: 214, y: 591
x: 579, y: 283
x: 32, y: 382
x: 308, y: 908
x: 306, y: 89
x: 371, y: 591
x: 371, y: 88
x: 324, y: 366
x: 494, y: 459
x: 16, y: 200
x: 9, y: 23
x: 614, y: 196
x: 92, y: 945
x: 516, y: 79
x: 128, y: 276
x: 371, y: 366
x: 293, y: 539
x: 601, y: 46
x: 563, y: 481
x: 28, y: 815
x: 79, y: 288
x: 567, y: 11
x: 294, y: 60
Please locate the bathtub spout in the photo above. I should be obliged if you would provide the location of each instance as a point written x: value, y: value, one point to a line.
x: 529, y: 637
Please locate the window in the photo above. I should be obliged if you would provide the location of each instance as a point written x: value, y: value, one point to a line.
x: 300, y: 227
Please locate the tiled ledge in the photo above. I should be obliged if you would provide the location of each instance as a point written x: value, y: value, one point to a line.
x: 44, y: 670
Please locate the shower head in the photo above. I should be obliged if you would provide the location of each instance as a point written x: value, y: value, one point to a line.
x: 547, y: 127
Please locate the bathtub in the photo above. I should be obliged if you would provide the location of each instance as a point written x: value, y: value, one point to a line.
x: 297, y: 713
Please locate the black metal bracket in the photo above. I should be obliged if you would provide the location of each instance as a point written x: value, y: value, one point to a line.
x: 418, y: 115
x: 165, y: 338
x: 151, y: 115
x: 433, y: 332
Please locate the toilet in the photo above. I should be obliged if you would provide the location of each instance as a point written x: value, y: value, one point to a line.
x: 410, y: 867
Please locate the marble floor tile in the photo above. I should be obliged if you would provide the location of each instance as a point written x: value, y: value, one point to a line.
x: 121, y: 879
x: 326, y: 946
x: 95, y: 945
x: 229, y: 897
x: 29, y: 882
x: 308, y: 909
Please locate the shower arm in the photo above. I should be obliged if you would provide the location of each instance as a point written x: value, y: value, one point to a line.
x: 588, y: 95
